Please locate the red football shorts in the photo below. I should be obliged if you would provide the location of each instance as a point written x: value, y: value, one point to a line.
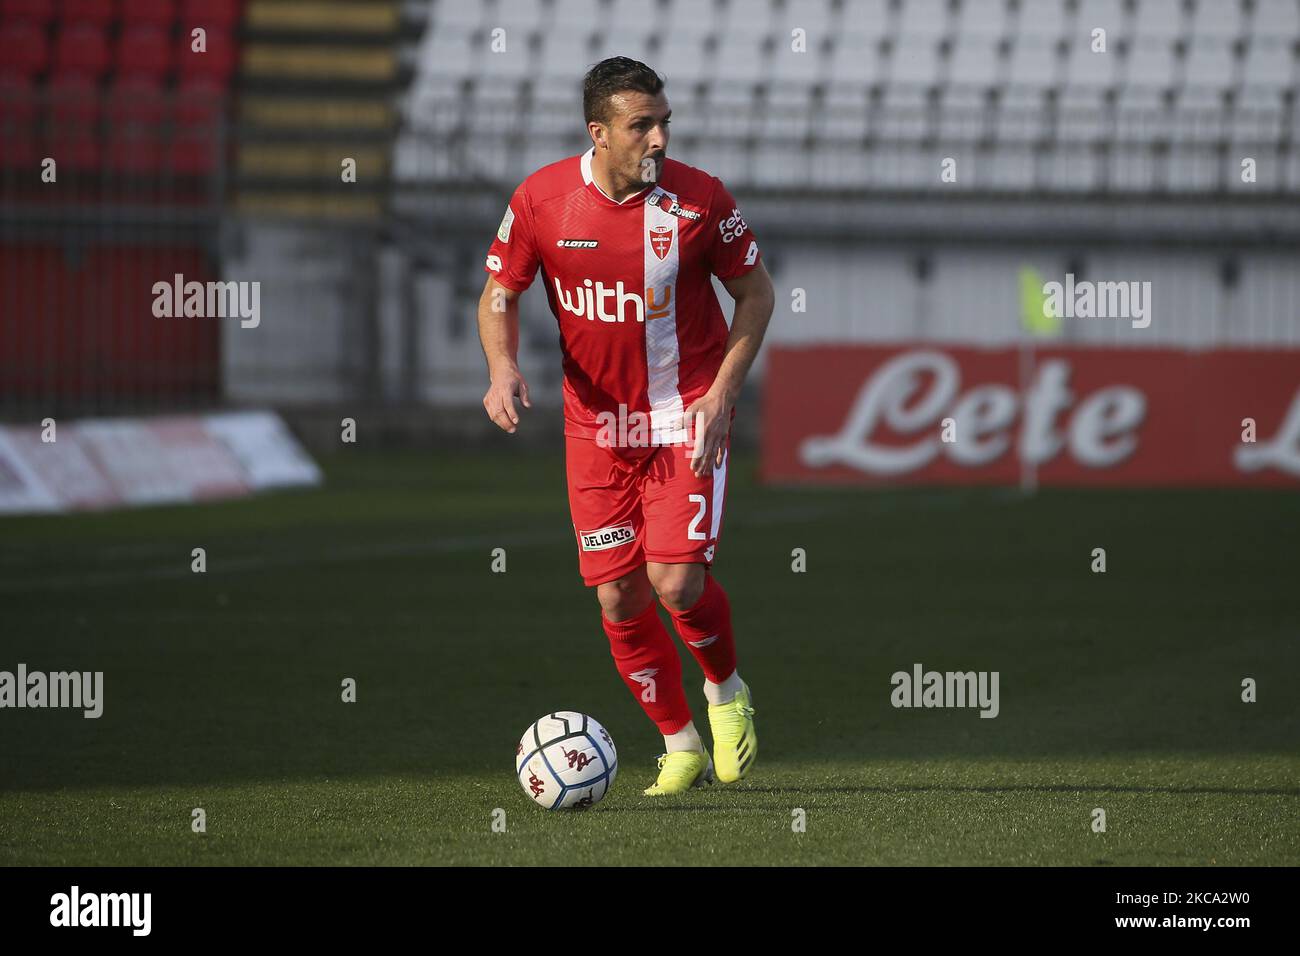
x: 632, y: 505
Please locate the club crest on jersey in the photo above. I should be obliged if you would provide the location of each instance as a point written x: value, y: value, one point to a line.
x: 603, y: 539
x: 661, y: 240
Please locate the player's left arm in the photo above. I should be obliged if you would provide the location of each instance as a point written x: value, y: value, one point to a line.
x: 755, y: 299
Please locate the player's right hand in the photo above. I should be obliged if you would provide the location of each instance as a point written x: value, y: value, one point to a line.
x: 500, y: 399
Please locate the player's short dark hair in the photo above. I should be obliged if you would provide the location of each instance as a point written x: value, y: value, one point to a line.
x: 617, y: 74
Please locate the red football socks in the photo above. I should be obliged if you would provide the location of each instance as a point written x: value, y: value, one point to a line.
x: 705, y: 628
x: 649, y: 665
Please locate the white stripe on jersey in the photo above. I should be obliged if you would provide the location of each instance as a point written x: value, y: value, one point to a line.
x: 719, y: 490
x: 661, y: 353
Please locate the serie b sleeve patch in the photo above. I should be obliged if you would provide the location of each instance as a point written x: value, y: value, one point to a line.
x: 503, y: 231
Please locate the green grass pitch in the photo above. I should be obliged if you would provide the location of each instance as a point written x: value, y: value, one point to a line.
x: 222, y: 690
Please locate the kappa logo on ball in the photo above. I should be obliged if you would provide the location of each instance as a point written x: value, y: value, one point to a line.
x: 605, y: 538
x: 661, y: 240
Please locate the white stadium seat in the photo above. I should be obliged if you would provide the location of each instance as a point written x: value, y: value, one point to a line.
x: 1269, y: 66
x: 1210, y: 69
x: 1042, y: 18
x: 924, y: 19
x: 1218, y: 18
x: 975, y: 61
x: 1277, y: 19
x: 1160, y: 20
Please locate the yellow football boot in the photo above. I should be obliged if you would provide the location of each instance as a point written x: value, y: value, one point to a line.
x: 735, y: 745
x: 681, y: 770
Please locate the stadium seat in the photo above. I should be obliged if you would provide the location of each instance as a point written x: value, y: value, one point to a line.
x: 1041, y: 19
x: 38, y: 12
x: 1159, y: 20
x: 1210, y: 71
x: 24, y: 51
x: 143, y: 51
x: 915, y: 62
x: 159, y: 13
x: 456, y: 16
x: 1269, y: 69
x: 209, y: 13
x: 621, y: 41
x: 200, y: 104
x: 1278, y: 19
x: 526, y: 16
x: 871, y: 17
x: 97, y: 12
x: 18, y: 111
x: 924, y: 20
x: 81, y: 50
x: 73, y: 130
x: 575, y: 14
x: 739, y: 64
x: 1150, y: 70
x: 1219, y: 19
x: 855, y: 60
x: 136, y: 112
x: 217, y: 61
x: 985, y: 19
x: 975, y: 61
x: 683, y: 60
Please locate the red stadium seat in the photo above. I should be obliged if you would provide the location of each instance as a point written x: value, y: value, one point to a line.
x: 137, y: 113
x: 160, y: 13
x: 17, y: 123
x: 74, y: 122
x: 200, y: 105
x: 209, y: 13
x: 144, y: 51
x: 98, y: 12
x: 217, y: 61
x: 39, y: 12
x: 81, y: 50
x: 24, y: 51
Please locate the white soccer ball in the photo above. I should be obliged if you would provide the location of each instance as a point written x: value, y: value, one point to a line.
x: 566, y: 761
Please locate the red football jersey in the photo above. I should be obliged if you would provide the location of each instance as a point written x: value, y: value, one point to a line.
x: 628, y: 283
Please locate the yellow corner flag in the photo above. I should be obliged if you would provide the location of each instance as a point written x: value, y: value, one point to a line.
x: 1032, y: 302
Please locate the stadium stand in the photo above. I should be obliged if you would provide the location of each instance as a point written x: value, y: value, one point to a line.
x: 827, y: 118
x: 879, y: 77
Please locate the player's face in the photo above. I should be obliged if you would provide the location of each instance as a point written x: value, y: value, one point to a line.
x: 638, y: 136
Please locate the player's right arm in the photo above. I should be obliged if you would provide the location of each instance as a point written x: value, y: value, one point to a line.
x: 511, y: 264
x: 498, y: 330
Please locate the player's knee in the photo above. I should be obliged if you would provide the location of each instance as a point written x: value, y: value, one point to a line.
x: 680, y: 587
x: 625, y: 598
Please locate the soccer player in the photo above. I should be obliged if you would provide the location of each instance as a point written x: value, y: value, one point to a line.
x: 627, y: 240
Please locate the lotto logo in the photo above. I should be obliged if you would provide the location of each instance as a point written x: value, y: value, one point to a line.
x: 494, y: 263
x: 605, y: 538
x: 733, y: 227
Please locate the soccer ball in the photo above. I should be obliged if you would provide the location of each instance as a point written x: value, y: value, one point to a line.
x: 566, y: 761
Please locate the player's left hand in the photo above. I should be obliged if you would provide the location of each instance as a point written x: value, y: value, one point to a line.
x: 711, y: 413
